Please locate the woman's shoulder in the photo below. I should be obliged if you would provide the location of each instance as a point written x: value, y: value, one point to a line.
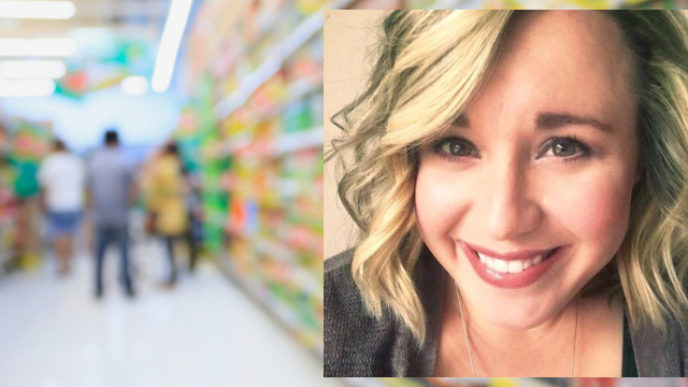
x: 353, y: 339
x: 358, y: 344
x: 661, y: 352
x: 340, y: 290
x: 339, y: 264
x: 342, y: 298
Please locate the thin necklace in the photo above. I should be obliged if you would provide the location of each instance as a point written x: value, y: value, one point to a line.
x: 468, y: 344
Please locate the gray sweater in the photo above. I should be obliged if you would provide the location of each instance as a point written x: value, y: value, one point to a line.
x: 357, y: 344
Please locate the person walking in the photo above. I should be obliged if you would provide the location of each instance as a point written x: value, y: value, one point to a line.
x: 61, y: 176
x: 167, y: 201
x: 112, y: 192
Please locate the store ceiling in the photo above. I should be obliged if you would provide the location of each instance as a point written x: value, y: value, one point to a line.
x: 106, y: 42
x: 138, y: 19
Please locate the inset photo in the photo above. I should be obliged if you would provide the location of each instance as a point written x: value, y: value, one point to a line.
x: 506, y: 193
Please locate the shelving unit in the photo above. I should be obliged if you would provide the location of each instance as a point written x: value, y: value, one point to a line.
x: 6, y: 230
x: 22, y: 145
x: 267, y: 69
x: 6, y: 225
x: 261, y: 162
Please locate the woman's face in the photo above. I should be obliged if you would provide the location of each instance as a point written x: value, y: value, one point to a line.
x: 527, y: 196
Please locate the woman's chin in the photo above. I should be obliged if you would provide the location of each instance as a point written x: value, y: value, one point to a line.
x: 519, y: 324
x: 517, y: 317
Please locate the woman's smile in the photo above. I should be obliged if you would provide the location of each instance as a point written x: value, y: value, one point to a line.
x: 510, y: 270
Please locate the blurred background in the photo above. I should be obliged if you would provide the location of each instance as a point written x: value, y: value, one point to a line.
x: 217, y: 106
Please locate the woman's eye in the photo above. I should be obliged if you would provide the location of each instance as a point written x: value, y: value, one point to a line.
x: 565, y: 148
x: 455, y: 147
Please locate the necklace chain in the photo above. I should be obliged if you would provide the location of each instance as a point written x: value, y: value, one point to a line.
x: 468, y: 344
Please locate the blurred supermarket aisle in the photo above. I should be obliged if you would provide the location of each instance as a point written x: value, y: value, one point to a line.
x: 237, y: 84
x: 205, y: 332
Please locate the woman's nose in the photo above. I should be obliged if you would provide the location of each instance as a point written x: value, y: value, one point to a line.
x: 512, y: 209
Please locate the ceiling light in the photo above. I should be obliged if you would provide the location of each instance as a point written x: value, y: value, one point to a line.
x: 28, y: 9
x: 37, y: 47
x: 32, y: 69
x: 26, y: 88
x: 169, y: 44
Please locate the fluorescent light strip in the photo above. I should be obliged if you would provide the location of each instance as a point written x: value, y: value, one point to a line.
x: 24, y: 69
x: 37, y: 9
x: 55, y: 47
x: 26, y: 88
x: 169, y: 44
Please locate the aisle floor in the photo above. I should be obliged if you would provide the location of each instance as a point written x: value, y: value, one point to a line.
x: 204, y: 332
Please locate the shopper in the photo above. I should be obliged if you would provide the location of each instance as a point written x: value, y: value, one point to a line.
x: 520, y: 180
x: 194, y: 206
x: 62, y: 177
x: 112, y: 192
x: 167, y: 204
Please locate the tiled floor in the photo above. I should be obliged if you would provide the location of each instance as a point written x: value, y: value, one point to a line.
x: 205, y: 332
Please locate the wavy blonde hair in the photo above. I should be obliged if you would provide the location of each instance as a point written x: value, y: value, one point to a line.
x: 430, y: 65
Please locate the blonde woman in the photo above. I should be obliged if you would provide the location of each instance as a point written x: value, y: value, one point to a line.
x: 520, y: 181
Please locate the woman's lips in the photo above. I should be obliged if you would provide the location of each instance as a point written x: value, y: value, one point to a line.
x: 513, y: 270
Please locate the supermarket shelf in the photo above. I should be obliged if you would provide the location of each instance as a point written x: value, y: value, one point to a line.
x: 269, y: 22
x: 292, y: 142
x: 229, y: 146
x: 305, y: 280
x: 285, y: 255
x: 5, y: 251
x: 215, y: 219
x: 271, y: 66
x: 267, y: 25
x: 273, y: 250
x: 298, y: 37
x: 285, y: 143
x: 277, y: 310
x: 297, y: 91
x: 280, y: 276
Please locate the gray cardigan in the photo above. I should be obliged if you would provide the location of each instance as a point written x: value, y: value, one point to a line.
x: 357, y: 344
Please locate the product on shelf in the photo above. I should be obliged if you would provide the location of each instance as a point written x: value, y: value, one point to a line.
x: 262, y: 163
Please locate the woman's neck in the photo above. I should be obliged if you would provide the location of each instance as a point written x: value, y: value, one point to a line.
x: 482, y: 332
x: 543, y: 350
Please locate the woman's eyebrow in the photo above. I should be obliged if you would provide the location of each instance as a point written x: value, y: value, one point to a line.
x: 461, y: 121
x: 557, y: 120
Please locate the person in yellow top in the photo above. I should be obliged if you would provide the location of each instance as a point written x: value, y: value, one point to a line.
x: 166, y: 196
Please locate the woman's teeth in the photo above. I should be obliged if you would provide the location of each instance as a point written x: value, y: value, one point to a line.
x: 512, y: 266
